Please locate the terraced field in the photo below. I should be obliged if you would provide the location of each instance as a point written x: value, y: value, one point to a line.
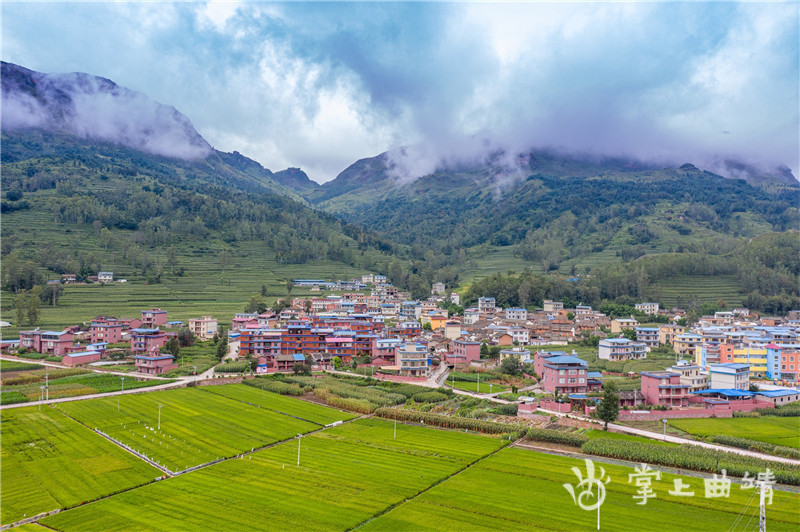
x: 483, y: 387
x: 346, y: 475
x: 522, y: 490
x: 49, y: 461
x: 776, y: 430
x: 70, y: 386
x: 321, y: 415
x: 709, y: 288
x: 196, y: 427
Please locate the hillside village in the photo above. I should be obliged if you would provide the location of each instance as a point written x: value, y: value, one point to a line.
x: 729, y: 362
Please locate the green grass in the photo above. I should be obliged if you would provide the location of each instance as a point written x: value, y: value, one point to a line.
x: 196, y: 427
x: 473, y: 386
x: 49, y: 461
x: 711, y: 288
x: 14, y: 365
x: 776, y: 430
x: 595, y: 433
x: 522, y: 490
x: 72, y: 385
x: 346, y: 475
x: 312, y: 412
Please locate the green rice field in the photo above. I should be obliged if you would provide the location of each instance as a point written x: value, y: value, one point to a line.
x: 711, y: 288
x: 347, y: 474
x: 517, y: 489
x: 196, y: 426
x: 776, y: 430
x: 318, y: 414
x: 49, y: 462
x: 482, y: 387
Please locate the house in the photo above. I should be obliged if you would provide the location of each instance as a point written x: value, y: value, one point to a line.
x: 565, y: 374
x: 203, y: 328
x: 154, y: 364
x: 486, y: 304
x: 521, y: 354
x: 148, y: 341
x: 647, y: 335
x: 648, y: 308
x: 69, y: 278
x: 618, y: 349
x: 730, y: 376
x: 541, y: 357
x: 552, y: 306
x: 437, y: 289
x: 664, y: 388
x: 631, y: 398
x: 56, y: 343
x: 470, y: 351
x: 779, y: 397
x: 414, y: 360
x: 107, y: 330
x: 105, y: 277
x: 153, y: 317
x: 519, y: 314
x: 691, y: 376
x: 619, y: 324
x: 754, y: 357
x: 471, y: 315
x: 686, y: 344
x: 79, y: 358
x: 667, y: 333
x: 452, y: 330
x: 583, y: 310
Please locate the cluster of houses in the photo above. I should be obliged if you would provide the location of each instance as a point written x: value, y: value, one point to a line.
x: 144, y: 335
x: 72, y: 278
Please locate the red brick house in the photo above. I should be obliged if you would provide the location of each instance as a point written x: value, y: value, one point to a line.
x: 153, y: 317
x: 47, y: 342
x: 155, y: 364
x: 664, y: 388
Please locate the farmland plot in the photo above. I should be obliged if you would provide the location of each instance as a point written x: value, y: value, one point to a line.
x: 49, y: 461
x: 196, y: 427
x: 312, y: 412
x: 776, y: 430
x: 346, y: 475
x: 522, y: 490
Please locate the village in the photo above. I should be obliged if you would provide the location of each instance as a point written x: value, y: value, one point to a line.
x: 729, y: 362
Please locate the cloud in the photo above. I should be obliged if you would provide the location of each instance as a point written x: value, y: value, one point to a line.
x: 320, y: 85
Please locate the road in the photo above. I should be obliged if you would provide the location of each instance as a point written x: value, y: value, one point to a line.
x: 675, y: 439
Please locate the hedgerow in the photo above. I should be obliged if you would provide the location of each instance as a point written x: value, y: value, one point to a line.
x: 557, y: 436
x: 691, y: 457
x: 438, y: 420
x: 753, y: 445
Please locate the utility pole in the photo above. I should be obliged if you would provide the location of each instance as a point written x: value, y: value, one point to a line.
x: 762, y: 512
x: 299, y: 437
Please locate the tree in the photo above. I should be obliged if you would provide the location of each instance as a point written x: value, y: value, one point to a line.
x: 427, y: 326
x: 172, y: 258
x: 51, y: 293
x: 222, y: 345
x: 630, y: 334
x: 224, y: 260
x: 252, y: 305
x: 337, y: 362
x: 34, y: 301
x: 484, y: 350
x: 608, y: 409
x: 511, y: 365
x: 299, y: 367
x: 570, y: 316
x: 22, y: 305
x: 263, y: 290
x: 289, y: 286
x: 106, y: 238
x: 173, y: 346
x: 185, y: 338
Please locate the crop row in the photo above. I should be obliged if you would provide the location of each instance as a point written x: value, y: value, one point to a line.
x: 753, y: 445
x: 451, y: 422
x: 557, y: 436
x: 275, y: 386
x: 691, y: 457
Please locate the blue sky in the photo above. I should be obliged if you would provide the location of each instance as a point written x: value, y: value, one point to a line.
x: 320, y: 85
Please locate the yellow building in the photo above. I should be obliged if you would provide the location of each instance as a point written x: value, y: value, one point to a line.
x: 755, y: 357
x: 436, y: 319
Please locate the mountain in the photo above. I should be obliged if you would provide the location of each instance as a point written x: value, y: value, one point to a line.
x: 96, y: 108
x: 95, y: 175
x: 295, y: 179
x: 554, y: 208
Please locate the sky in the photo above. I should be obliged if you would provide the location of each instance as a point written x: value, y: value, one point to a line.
x: 321, y: 85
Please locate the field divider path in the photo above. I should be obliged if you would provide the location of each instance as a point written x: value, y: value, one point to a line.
x: 266, y: 408
x: 420, y: 492
x: 171, y: 474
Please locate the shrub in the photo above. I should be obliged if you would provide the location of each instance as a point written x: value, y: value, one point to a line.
x: 275, y: 386
x: 438, y: 420
x: 557, y: 436
x: 689, y: 456
x: 506, y: 410
x: 232, y: 367
x: 429, y: 397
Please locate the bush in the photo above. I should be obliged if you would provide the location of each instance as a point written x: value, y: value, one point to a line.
x: 438, y: 420
x: 759, y: 446
x: 557, y: 436
x: 506, y: 410
x: 689, y: 456
x: 429, y: 397
x: 232, y: 367
x: 275, y: 386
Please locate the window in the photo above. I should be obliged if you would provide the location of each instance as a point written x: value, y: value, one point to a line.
x: 561, y: 381
x: 581, y: 380
x: 572, y: 372
x: 562, y: 372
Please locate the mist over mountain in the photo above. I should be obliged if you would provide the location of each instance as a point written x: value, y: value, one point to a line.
x: 92, y: 107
